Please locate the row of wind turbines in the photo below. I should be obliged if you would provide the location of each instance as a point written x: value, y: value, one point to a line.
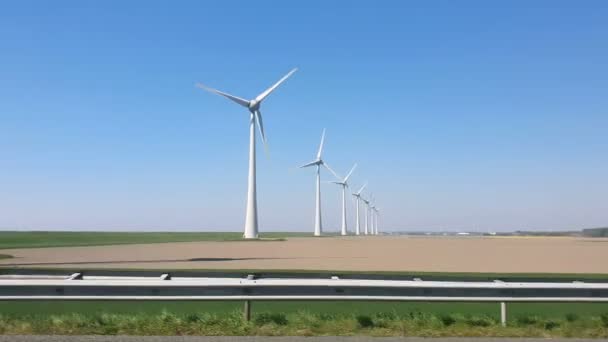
x: 371, y: 211
x: 251, y: 215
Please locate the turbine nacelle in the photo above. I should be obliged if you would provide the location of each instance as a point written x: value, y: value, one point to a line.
x: 344, y: 182
x: 358, y: 193
x: 254, y: 105
x: 317, y: 162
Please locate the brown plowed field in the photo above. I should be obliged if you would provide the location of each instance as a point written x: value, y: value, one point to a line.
x: 432, y: 254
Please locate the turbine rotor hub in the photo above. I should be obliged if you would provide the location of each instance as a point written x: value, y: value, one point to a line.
x: 254, y: 105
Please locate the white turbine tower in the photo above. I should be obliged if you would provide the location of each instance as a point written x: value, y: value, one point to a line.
x: 251, y: 216
x: 318, y: 162
x: 344, y: 185
x: 366, y: 215
x: 372, y: 215
x: 358, y: 200
x: 377, y: 211
x: 373, y: 219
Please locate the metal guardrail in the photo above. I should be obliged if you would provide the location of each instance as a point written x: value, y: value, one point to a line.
x: 167, y: 288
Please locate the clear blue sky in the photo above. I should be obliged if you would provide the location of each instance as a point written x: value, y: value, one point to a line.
x: 478, y: 115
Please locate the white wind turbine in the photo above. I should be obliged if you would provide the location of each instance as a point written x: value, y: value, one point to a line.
x: 344, y: 185
x: 376, y: 215
x: 372, y: 215
x: 358, y: 200
x: 251, y: 216
x: 318, y: 162
x: 366, y: 215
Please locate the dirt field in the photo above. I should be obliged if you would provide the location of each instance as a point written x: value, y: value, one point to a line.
x: 467, y: 254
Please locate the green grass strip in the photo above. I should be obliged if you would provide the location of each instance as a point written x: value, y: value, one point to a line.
x: 42, y: 239
x: 306, y: 323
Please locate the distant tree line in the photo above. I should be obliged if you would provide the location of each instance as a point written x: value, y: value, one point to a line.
x: 596, y: 232
x: 546, y: 233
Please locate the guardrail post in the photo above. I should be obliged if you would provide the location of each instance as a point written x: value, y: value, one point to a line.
x: 503, y: 314
x: 247, y: 311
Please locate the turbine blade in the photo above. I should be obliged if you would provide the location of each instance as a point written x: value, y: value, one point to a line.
x: 361, y: 190
x: 267, y: 92
x: 258, y: 119
x: 350, y: 173
x: 312, y: 163
x: 321, y: 145
x: 236, y: 99
x: 330, y: 170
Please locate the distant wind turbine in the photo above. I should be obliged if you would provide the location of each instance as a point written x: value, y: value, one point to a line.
x: 251, y: 216
x: 318, y: 162
x: 372, y: 214
x: 344, y: 184
x: 358, y: 200
x: 376, y: 215
x: 366, y: 214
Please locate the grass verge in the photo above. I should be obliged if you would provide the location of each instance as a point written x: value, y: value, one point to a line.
x: 5, y: 256
x: 41, y: 239
x: 545, y: 310
x: 304, y: 323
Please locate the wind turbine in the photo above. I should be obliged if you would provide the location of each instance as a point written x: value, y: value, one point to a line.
x: 366, y: 214
x: 251, y: 216
x: 372, y: 210
x: 358, y: 199
x: 318, y: 162
x: 344, y: 185
x: 372, y: 215
x: 377, y: 211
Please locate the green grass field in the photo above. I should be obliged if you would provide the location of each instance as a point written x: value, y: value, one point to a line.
x: 301, y: 319
x: 548, y: 310
x: 40, y: 239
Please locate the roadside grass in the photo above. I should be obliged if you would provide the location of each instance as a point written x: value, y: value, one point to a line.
x: 563, y: 311
x: 41, y: 239
x: 304, y: 323
x: 5, y: 256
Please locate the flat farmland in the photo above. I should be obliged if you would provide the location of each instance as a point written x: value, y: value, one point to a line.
x: 363, y: 254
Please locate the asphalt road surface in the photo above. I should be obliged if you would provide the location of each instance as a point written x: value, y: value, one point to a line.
x: 4, y: 338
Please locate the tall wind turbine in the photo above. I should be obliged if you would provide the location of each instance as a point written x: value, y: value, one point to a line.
x: 318, y: 162
x: 358, y: 199
x: 255, y: 116
x: 344, y: 185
